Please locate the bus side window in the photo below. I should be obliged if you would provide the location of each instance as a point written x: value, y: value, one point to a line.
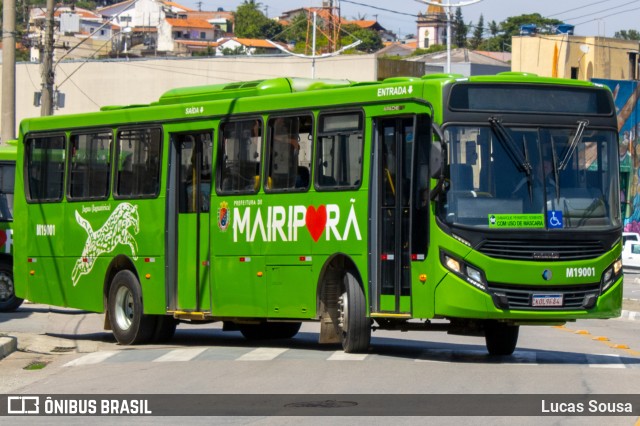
x: 7, y: 179
x: 90, y: 166
x: 239, y: 157
x: 138, y: 158
x: 45, y: 168
x: 339, y: 151
x: 289, y: 161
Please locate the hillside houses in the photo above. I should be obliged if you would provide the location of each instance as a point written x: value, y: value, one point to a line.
x: 138, y: 27
x: 159, y: 28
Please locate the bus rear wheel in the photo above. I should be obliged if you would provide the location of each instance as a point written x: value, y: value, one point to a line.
x: 501, y: 338
x: 128, y: 322
x: 8, y: 300
x: 354, y: 326
x: 270, y: 330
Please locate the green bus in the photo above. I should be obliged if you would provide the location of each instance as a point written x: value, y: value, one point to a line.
x: 8, y: 300
x: 469, y: 205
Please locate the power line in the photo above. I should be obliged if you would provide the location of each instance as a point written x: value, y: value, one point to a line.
x: 380, y: 8
x: 603, y: 10
x: 79, y: 89
x: 578, y: 8
x: 606, y: 16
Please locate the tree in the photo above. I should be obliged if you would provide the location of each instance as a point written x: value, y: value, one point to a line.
x: 250, y: 22
x: 478, y: 31
x: 494, y: 28
x: 627, y: 35
x: 511, y: 27
x: 460, y: 30
x: 371, y: 40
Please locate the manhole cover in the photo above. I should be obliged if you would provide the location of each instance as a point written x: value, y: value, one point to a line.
x: 330, y: 403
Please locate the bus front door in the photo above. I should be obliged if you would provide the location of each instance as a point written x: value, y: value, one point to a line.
x: 396, y: 197
x: 188, y: 252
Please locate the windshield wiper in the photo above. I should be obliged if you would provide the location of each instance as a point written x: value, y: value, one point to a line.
x: 556, y: 176
x: 582, y: 124
x: 519, y: 159
x: 509, y: 145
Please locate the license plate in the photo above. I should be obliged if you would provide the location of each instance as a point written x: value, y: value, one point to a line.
x: 546, y: 300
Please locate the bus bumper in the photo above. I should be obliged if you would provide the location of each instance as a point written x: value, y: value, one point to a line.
x: 455, y: 298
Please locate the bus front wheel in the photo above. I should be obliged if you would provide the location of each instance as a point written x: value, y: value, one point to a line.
x: 501, y: 338
x: 128, y: 322
x: 354, y: 326
x: 8, y: 300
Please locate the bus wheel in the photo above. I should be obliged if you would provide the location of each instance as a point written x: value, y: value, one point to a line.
x: 165, y: 328
x: 130, y: 325
x: 270, y: 330
x: 355, y: 327
x: 8, y: 300
x: 501, y: 338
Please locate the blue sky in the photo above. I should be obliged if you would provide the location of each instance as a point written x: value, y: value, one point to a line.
x: 595, y: 18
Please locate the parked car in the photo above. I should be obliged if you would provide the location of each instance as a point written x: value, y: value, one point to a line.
x: 631, y: 255
x: 630, y: 236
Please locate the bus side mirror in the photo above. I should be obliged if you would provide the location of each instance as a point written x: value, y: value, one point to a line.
x: 437, y: 154
x: 435, y: 160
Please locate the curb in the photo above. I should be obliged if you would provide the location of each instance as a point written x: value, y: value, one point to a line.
x: 8, y: 345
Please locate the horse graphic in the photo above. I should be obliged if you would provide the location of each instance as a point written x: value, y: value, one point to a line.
x: 114, y: 231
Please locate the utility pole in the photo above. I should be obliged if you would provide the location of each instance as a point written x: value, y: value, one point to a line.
x: 8, y: 123
x: 48, y: 78
x: 448, y: 7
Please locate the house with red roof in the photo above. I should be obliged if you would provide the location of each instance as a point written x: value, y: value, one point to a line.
x: 245, y: 46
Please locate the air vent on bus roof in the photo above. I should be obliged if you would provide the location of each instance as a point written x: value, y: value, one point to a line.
x: 248, y: 88
x: 226, y: 91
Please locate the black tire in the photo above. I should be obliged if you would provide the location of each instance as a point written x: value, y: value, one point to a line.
x: 8, y: 300
x: 501, y: 338
x: 355, y: 327
x: 165, y: 328
x: 270, y: 330
x: 128, y: 322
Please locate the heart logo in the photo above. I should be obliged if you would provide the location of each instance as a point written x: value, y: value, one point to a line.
x: 3, y: 237
x: 316, y: 221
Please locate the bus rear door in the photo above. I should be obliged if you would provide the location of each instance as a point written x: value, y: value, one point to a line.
x: 188, y: 249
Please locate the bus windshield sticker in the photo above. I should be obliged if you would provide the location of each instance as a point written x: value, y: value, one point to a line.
x: 115, y: 231
x: 516, y: 221
x: 282, y: 223
x: 554, y: 219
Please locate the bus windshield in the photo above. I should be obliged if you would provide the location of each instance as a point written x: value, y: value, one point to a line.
x: 531, y: 177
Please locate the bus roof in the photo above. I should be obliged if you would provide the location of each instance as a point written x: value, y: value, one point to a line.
x: 305, y: 90
x: 8, y: 150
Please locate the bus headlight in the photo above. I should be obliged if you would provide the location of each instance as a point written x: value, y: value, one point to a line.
x: 611, y: 274
x: 452, y: 264
x: 462, y: 269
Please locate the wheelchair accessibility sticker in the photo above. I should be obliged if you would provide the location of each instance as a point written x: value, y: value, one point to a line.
x: 554, y: 219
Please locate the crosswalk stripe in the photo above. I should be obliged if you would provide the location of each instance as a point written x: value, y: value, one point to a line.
x: 598, y: 361
x: 262, y: 354
x: 343, y: 356
x: 92, y: 358
x: 180, y: 355
x: 524, y: 357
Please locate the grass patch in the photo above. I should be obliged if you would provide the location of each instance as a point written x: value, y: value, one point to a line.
x: 36, y: 365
